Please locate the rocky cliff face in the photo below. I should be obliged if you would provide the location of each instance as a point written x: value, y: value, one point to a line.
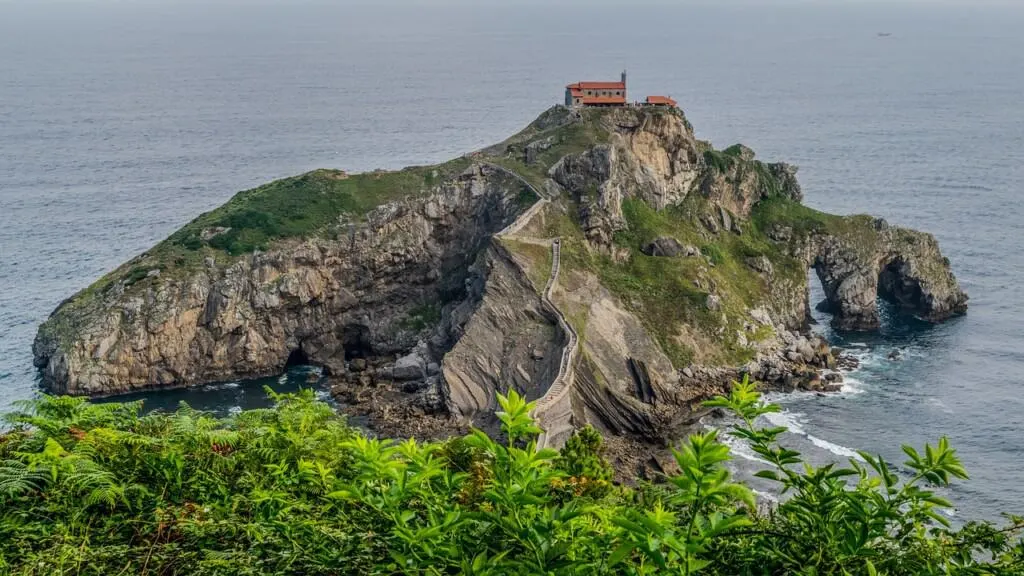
x: 504, y: 339
x: 680, y: 268
x: 367, y: 290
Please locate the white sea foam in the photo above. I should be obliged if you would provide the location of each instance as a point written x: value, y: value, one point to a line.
x: 765, y: 496
x: 794, y: 422
x: 740, y: 448
x: 851, y: 387
x: 221, y: 386
x: 939, y: 404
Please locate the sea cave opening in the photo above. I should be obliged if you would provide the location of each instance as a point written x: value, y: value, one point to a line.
x: 355, y: 339
x: 897, y: 288
x: 297, y: 358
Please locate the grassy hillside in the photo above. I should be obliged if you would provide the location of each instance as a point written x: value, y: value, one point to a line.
x: 302, y: 206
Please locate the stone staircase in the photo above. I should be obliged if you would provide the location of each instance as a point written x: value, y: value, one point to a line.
x: 553, y: 410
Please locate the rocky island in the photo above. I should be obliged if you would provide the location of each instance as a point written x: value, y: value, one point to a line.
x: 603, y: 261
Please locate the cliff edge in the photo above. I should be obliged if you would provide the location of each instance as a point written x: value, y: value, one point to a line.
x: 666, y: 267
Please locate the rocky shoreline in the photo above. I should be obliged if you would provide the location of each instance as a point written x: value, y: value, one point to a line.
x: 682, y: 269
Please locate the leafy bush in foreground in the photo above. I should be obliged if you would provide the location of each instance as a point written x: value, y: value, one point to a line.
x: 97, y: 489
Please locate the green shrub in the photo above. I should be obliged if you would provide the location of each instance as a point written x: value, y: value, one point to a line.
x: 423, y: 316
x: 99, y: 489
x: 719, y: 160
x: 135, y: 275
x: 714, y: 254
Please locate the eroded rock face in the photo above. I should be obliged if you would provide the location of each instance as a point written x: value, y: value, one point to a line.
x: 504, y: 339
x: 654, y: 157
x: 903, y: 266
x: 738, y: 188
x: 323, y: 300
x: 353, y: 301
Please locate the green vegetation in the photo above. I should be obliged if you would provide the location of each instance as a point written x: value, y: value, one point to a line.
x: 538, y: 260
x: 98, y: 489
x: 423, y: 316
x: 664, y: 292
x: 802, y: 219
x: 304, y: 205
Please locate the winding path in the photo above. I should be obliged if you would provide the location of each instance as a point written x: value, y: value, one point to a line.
x: 553, y: 410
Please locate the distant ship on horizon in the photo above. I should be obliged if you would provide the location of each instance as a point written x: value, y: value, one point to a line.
x: 884, y: 34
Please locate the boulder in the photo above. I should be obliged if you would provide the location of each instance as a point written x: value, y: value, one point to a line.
x: 710, y: 223
x: 410, y: 367
x: 806, y: 351
x: 535, y: 148
x: 664, y: 246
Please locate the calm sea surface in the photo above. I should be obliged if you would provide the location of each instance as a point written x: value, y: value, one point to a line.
x: 121, y: 122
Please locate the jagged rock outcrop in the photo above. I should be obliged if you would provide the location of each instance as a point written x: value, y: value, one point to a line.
x: 735, y: 183
x: 654, y: 157
x: 504, y: 339
x: 322, y: 300
x: 900, y: 265
x: 678, y: 268
x: 669, y: 247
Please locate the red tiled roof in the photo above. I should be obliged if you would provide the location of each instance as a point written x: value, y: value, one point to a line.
x: 661, y: 100
x: 597, y: 86
x: 604, y: 99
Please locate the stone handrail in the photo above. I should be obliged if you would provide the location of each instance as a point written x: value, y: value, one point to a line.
x: 523, y: 218
x: 562, y: 382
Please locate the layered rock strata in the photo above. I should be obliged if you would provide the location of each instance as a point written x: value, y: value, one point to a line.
x: 681, y: 268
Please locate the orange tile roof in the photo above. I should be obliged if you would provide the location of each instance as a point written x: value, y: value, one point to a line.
x: 661, y: 100
x: 597, y: 86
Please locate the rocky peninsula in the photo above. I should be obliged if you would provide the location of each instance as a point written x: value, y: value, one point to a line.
x: 604, y: 261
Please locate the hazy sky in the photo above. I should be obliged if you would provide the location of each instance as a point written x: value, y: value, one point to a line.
x: 524, y: 2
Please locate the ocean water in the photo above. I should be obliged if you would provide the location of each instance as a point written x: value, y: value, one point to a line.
x: 119, y: 122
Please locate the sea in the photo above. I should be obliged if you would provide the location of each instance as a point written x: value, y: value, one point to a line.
x: 121, y: 121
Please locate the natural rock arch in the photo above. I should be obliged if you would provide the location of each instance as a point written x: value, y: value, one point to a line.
x: 898, y: 265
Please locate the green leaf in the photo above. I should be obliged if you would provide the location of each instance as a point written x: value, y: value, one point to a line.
x: 620, y: 553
